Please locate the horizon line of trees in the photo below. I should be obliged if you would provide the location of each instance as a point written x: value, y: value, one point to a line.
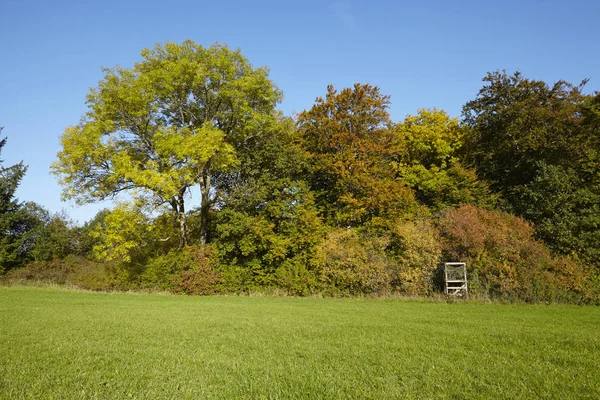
x: 340, y: 200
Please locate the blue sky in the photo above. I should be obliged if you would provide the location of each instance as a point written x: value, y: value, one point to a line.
x: 424, y: 54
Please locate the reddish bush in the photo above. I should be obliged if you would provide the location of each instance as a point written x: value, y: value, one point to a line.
x: 504, y: 260
x: 201, y: 277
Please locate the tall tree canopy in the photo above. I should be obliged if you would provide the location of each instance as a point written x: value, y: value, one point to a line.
x: 174, y: 120
x: 267, y: 228
x: 538, y: 145
x: 429, y: 162
x: 351, y: 144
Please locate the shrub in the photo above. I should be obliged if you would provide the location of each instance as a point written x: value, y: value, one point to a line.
x: 53, y: 271
x: 201, y: 278
x: 505, y: 261
x: 298, y: 277
x: 350, y: 263
x: 415, y: 247
x: 191, y: 270
x: 72, y: 270
x: 91, y: 275
x: 160, y: 270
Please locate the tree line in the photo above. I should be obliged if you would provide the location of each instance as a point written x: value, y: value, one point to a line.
x: 338, y: 200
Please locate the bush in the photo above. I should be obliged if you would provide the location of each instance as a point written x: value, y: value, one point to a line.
x: 350, y: 263
x: 505, y: 261
x: 72, y: 270
x: 160, y: 270
x: 53, y: 271
x: 191, y: 270
x: 91, y: 275
x: 416, y: 249
x: 202, y: 277
x: 297, y: 276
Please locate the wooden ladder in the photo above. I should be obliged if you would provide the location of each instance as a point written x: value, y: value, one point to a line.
x: 455, y: 279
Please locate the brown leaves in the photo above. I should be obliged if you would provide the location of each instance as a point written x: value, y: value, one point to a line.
x: 349, y: 139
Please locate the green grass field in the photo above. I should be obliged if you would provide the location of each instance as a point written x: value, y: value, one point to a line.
x: 65, y: 344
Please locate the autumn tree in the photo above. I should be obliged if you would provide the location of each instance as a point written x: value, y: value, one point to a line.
x: 349, y: 138
x: 174, y: 120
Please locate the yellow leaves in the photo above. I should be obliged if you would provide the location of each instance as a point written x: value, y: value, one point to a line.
x: 121, y: 233
x: 352, y: 263
x: 431, y: 137
x: 153, y: 127
x: 197, y: 147
x: 95, y: 162
x: 418, y: 249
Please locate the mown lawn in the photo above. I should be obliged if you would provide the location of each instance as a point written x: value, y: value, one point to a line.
x: 66, y: 344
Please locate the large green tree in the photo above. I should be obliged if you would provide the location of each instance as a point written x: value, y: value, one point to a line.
x: 538, y: 145
x: 174, y: 120
x: 15, y: 219
x: 267, y: 228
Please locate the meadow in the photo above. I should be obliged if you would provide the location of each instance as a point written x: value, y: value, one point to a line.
x: 58, y: 343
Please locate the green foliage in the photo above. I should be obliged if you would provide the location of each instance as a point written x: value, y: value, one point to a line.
x: 351, y: 145
x: 268, y: 227
x: 440, y: 188
x: 265, y: 249
x: 56, y: 237
x: 428, y: 162
x: 161, y: 270
x: 538, y: 145
x: 515, y: 123
x: 351, y: 263
x: 86, y: 239
x: 16, y: 222
x: 298, y: 276
x: 566, y: 210
x: 172, y: 121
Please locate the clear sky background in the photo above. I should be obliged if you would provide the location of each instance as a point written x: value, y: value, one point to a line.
x: 422, y: 53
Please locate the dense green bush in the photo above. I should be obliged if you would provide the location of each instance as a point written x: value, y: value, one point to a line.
x: 298, y: 276
x: 268, y: 244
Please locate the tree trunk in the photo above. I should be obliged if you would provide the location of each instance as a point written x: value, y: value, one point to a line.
x: 182, y: 220
x: 204, y: 206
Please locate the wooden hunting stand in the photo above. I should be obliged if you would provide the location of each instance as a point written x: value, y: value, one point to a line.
x: 455, y: 279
